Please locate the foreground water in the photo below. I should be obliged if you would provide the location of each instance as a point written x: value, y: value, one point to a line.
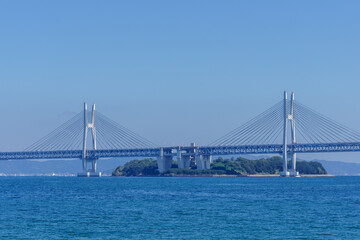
x: 179, y: 208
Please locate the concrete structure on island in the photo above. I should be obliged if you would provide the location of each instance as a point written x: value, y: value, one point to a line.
x: 164, y: 160
x: 184, y: 156
x: 203, y: 161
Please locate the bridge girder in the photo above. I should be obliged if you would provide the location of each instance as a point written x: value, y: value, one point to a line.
x: 154, y: 152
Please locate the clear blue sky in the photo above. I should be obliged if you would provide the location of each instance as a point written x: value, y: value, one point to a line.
x: 174, y: 71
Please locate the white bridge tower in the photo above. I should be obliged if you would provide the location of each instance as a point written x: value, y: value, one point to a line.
x: 85, y: 158
x: 289, y: 117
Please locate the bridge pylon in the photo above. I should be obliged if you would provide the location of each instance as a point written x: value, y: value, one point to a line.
x: 289, y: 116
x: 85, y: 159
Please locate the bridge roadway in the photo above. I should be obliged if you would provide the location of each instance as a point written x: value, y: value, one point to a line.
x: 213, y: 150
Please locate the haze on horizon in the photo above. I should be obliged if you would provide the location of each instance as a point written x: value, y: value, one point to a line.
x: 175, y: 72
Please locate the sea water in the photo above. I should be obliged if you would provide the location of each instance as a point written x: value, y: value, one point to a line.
x: 179, y: 208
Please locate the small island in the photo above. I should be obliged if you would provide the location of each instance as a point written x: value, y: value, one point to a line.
x: 220, y: 167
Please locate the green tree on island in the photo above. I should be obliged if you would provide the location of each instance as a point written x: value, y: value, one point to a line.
x: 239, y: 166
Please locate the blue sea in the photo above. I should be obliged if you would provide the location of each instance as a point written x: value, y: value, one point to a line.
x: 179, y: 208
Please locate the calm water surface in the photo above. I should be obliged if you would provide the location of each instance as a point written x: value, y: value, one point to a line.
x: 179, y: 208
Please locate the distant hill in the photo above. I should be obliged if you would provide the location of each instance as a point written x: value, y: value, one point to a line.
x: 341, y: 168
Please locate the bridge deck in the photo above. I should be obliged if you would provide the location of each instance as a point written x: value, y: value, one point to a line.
x: 206, y: 150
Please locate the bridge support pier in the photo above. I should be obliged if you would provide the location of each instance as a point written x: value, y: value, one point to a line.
x: 183, y: 160
x: 180, y: 159
x: 203, y: 161
x: 164, y: 161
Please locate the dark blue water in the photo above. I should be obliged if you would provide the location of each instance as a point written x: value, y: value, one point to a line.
x: 179, y: 208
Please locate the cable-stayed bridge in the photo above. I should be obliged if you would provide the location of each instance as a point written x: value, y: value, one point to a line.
x: 286, y: 128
